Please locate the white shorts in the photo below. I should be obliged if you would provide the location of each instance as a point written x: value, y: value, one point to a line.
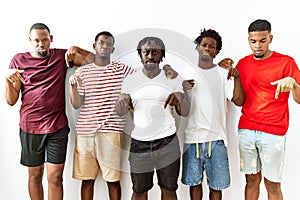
x: 260, y: 151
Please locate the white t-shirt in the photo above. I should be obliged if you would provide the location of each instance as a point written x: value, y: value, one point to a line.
x: 207, y: 118
x: 151, y: 120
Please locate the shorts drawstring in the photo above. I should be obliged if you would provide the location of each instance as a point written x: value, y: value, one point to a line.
x: 208, y: 151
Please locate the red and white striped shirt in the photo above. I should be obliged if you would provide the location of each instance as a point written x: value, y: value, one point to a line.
x: 100, y: 87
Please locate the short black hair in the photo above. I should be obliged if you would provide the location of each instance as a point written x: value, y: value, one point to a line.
x: 212, y: 34
x: 40, y: 26
x: 105, y: 33
x: 259, y: 25
x: 157, y: 41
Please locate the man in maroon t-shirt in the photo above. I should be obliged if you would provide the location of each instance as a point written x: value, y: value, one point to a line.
x: 40, y: 77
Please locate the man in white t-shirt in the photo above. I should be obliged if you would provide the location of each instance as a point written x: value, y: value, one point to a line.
x: 205, y: 148
x: 150, y: 97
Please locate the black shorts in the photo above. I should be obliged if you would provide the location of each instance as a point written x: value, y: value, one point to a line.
x: 40, y: 148
x: 162, y: 155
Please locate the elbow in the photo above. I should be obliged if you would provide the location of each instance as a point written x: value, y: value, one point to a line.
x: 11, y: 103
x: 238, y: 102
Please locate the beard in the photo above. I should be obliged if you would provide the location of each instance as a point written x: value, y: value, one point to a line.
x: 43, y: 53
x: 150, y: 67
x: 206, y: 58
x: 259, y: 56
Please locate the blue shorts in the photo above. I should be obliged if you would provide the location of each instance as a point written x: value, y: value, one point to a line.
x: 162, y: 155
x: 260, y: 151
x: 216, y: 165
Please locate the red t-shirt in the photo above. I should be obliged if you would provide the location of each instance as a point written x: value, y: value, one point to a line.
x: 261, y: 111
x: 43, y: 93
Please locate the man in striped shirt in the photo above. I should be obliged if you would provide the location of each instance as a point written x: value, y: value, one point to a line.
x: 95, y: 88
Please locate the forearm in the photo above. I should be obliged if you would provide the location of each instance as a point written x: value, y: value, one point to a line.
x: 296, y: 92
x: 83, y: 56
x: 183, y: 108
x: 238, y: 92
x: 75, y: 98
x: 12, y: 91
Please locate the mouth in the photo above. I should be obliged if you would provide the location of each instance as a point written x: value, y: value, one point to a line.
x: 150, y: 62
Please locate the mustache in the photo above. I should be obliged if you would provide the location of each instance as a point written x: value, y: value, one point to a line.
x: 150, y: 60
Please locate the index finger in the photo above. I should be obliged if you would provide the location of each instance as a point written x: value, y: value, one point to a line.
x: 277, y: 92
x: 20, y: 76
x: 167, y: 102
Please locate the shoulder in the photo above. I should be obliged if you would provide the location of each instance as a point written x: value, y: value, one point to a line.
x: 281, y: 56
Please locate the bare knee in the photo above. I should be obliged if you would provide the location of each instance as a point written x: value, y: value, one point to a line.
x: 272, y: 187
x: 139, y: 196
x: 55, y: 174
x: 253, y: 179
x: 114, y: 185
x: 88, y: 184
x: 36, y: 174
x: 167, y: 194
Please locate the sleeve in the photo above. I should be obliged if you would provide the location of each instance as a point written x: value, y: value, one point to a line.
x: 293, y: 70
x: 13, y: 63
x: 125, y: 84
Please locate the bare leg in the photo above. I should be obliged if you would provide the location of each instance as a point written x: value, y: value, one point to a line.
x: 142, y: 196
x: 215, y: 194
x: 196, y: 192
x: 87, y: 189
x: 55, y: 181
x: 168, y: 195
x: 35, y: 179
x: 274, y: 190
x: 114, y: 189
x: 252, y: 186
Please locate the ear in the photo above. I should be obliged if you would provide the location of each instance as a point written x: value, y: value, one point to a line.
x: 271, y: 37
x: 51, y: 38
x: 113, y: 49
x: 94, y: 46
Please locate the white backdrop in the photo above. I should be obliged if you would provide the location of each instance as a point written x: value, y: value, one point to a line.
x: 77, y: 23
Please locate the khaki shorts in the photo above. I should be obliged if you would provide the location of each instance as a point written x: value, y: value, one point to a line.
x: 101, y: 151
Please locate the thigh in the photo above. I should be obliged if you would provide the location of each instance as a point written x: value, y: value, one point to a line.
x: 85, y: 164
x: 56, y: 146
x: 249, y: 155
x: 192, y: 167
x: 141, y: 166
x: 272, y: 156
x: 166, y: 151
x: 217, y: 166
x: 108, y: 153
x: 168, y: 176
x: 32, y: 149
x: 140, y: 157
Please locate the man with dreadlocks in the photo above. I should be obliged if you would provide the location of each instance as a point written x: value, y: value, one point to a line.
x: 205, y: 145
x: 151, y: 97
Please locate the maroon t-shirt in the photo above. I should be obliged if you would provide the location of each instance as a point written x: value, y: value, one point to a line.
x: 43, y: 93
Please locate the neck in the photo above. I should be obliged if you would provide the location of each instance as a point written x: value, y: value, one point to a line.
x: 102, y: 61
x: 151, y: 74
x: 206, y: 65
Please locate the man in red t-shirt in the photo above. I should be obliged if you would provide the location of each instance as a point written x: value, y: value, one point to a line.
x: 40, y: 77
x: 267, y: 78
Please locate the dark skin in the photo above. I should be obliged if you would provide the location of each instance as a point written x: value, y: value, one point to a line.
x: 151, y: 56
x: 40, y: 40
x: 207, y: 51
x: 104, y: 48
x: 151, y: 69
